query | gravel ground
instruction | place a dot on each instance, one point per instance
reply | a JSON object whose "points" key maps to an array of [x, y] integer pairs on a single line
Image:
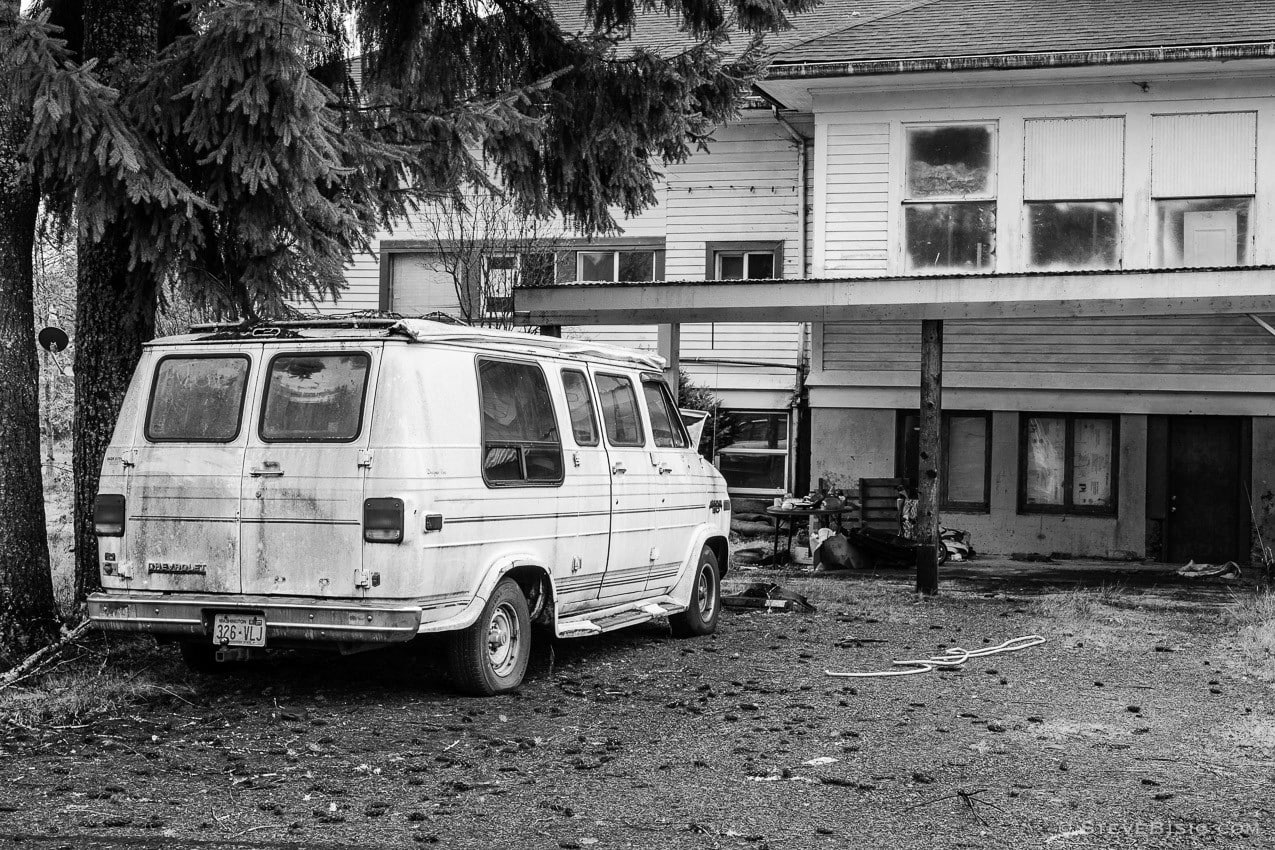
{"points": [[1134, 725]]}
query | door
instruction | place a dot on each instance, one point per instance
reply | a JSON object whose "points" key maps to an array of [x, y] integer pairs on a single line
{"points": [[585, 522], [1207, 519], [304, 469], [679, 496], [633, 547], [182, 497]]}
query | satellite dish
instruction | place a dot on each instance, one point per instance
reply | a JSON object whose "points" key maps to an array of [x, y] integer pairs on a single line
{"points": [[53, 339]]}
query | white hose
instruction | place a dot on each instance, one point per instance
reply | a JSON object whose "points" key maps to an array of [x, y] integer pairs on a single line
{"points": [[953, 657]]}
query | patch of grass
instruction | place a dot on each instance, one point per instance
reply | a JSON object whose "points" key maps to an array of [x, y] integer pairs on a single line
{"points": [[1254, 616], [869, 600], [1085, 615], [99, 676]]}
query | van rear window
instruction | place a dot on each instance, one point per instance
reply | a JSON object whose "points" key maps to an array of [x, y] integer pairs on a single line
{"points": [[197, 399], [314, 398]]}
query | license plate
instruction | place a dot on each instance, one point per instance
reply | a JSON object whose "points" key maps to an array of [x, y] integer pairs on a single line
{"points": [[239, 630]]}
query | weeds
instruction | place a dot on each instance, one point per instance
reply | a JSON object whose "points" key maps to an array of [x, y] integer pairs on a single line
{"points": [[1254, 616], [1087, 615]]}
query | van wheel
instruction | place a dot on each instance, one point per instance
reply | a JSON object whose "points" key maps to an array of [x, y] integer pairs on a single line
{"points": [[700, 617], [490, 657], [201, 656]]}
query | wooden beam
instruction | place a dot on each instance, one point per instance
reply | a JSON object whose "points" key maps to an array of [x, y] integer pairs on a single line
{"points": [[1005, 296], [669, 346], [930, 458]]}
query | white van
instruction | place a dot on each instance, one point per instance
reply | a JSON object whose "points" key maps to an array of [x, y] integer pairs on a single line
{"points": [[352, 483]]}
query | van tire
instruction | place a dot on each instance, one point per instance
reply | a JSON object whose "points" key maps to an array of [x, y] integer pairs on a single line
{"points": [[700, 616], [490, 657], [201, 656]]}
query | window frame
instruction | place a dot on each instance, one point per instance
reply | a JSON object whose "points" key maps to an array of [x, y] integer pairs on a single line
{"points": [[522, 455], [714, 250], [265, 393], [639, 404], [786, 452], [593, 406], [615, 252], [901, 461], [989, 195], [1159, 203], [1067, 508], [209, 355]]}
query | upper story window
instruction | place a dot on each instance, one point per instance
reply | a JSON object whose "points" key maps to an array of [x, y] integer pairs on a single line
{"points": [[743, 260], [949, 198], [1203, 178], [502, 272], [621, 264], [1073, 182]]}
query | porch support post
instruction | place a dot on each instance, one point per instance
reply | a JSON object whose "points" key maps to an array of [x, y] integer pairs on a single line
{"points": [[930, 457], [669, 344]]}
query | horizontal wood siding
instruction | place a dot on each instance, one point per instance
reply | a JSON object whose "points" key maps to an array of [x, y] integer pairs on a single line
{"points": [[1189, 345], [856, 199]]}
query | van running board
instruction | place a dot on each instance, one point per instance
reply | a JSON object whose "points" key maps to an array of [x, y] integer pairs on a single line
{"points": [[619, 617]]}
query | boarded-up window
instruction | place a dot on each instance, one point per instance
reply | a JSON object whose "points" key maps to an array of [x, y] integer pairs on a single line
{"points": [[421, 284], [1073, 159], [1203, 232], [1204, 155], [966, 478], [1068, 464]]}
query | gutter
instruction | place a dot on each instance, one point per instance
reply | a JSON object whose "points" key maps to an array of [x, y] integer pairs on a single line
{"points": [[1017, 61]]}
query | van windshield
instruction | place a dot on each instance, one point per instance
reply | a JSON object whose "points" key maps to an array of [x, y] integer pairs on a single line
{"points": [[197, 399], [314, 398]]}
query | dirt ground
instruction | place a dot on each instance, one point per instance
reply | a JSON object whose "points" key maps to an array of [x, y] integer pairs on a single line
{"points": [[1144, 720]]}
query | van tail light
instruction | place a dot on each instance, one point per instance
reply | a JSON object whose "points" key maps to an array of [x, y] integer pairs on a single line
{"points": [[383, 520], [108, 515]]}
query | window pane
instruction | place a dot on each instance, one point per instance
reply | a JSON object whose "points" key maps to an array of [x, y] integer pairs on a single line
{"points": [[1091, 470], [314, 397], [732, 266], [949, 161], [951, 236], [197, 399], [620, 410], [584, 421], [1203, 232], [637, 265], [742, 429], [967, 459], [520, 430], [502, 276], [665, 423], [1074, 235], [1046, 459], [597, 265], [753, 472], [761, 266]]}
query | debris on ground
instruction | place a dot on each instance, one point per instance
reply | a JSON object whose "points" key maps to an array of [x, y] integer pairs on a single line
{"points": [[951, 657], [761, 594], [1229, 570]]}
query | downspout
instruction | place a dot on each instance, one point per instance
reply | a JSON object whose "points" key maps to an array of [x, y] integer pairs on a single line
{"points": [[795, 405]]}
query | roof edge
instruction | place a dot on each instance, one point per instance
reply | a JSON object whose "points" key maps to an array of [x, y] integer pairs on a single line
{"points": [[780, 70]]}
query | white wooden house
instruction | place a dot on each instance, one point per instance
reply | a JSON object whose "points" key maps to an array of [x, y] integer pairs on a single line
{"points": [[970, 161]]}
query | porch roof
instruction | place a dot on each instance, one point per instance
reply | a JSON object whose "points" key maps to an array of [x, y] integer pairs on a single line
{"points": [[1141, 292]]}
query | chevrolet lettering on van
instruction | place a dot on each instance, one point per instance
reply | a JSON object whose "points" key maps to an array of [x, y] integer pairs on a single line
{"points": [[176, 568]]}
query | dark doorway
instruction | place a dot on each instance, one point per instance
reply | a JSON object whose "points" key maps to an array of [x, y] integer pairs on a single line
{"points": [[1208, 517]]}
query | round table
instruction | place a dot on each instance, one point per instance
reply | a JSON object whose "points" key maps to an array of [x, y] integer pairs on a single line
{"points": [[781, 514]]}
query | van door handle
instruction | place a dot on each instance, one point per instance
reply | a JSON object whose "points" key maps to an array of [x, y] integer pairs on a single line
{"points": [[665, 469], [268, 469], [619, 469]]}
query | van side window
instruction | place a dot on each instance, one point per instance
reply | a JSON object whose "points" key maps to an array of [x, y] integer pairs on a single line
{"points": [[666, 422], [520, 430], [584, 421], [314, 398], [620, 410], [197, 399]]}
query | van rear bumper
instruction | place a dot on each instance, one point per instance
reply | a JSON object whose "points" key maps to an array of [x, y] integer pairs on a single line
{"points": [[288, 620]]}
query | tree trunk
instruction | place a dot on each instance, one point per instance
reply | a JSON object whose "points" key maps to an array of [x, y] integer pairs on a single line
{"points": [[115, 307], [930, 455], [28, 616]]}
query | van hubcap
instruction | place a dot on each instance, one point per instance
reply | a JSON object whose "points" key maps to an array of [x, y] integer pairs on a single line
{"points": [[704, 594], [504, 640]]}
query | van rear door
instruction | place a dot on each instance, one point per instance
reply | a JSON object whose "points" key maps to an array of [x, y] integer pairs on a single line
{"points": [[304, 470], [181, 529]]}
